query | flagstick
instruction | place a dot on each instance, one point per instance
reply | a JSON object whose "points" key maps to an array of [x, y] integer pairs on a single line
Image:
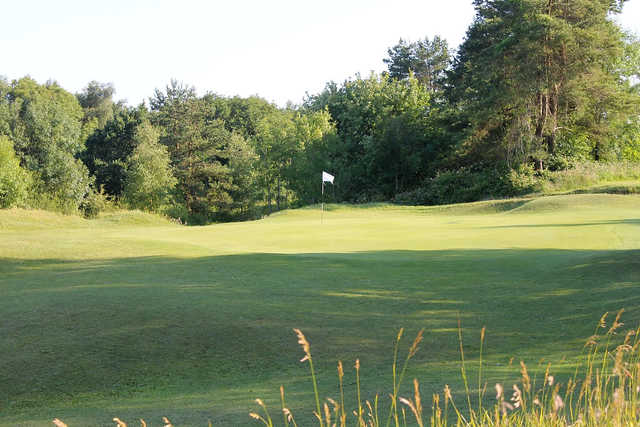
{"points": [[322, 211]]}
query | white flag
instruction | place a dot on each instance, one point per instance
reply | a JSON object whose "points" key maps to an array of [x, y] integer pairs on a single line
{"points": [[327, 177]]}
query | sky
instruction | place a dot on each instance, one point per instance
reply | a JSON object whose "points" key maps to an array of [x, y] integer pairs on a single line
{"points": [[277, 49]]}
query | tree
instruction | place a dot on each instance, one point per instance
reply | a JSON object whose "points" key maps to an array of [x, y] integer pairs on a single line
{"points": [[426, 59], [44, 122], [14, 180], [528, 70], [148, 176], [367, 114], [315, 140], [198, 145], [96, 100], [240, 115], [244, 192], [109, 147], [275, 143]]}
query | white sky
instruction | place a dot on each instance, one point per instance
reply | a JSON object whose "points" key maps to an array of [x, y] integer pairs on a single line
{"points": [[278, 49]]}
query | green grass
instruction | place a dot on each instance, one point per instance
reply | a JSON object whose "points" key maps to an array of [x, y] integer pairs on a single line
{"points": [[132, 316]]}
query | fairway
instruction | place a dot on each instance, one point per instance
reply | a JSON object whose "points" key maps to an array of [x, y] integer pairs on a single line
{"points": [[132, 316]]}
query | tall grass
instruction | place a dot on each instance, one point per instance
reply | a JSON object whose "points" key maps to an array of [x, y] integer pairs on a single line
{"points": [[588, 174], [603, 391]]}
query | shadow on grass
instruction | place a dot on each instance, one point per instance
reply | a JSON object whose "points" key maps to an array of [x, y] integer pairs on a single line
{"points": [[113, 328]]}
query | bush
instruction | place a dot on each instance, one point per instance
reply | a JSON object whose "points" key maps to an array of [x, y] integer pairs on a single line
{"points": [[466, 185], [94, 203], [177, 212]]}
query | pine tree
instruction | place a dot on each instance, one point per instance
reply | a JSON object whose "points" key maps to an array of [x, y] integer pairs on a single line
{"points": [[529, 69]]}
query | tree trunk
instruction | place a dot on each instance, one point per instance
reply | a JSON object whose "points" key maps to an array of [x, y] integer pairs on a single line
{"points": [[553, 110], [278, 195], [542, 108]]}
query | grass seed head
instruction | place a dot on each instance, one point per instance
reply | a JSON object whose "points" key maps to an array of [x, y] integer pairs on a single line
{"points": [[517, 396], [327, 414], [305, 345], [557, 403], [287, 412], [505, 407], [499, 391], [627, 338], [447, 393], [526, 380], [414, 347], [416, 392], [603, 321], [616, 323], [369, 408], [413, 408], [591, 341]]}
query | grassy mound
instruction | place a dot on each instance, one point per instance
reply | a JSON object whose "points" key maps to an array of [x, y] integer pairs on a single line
{"points": [[29, 220], [132, 316]]}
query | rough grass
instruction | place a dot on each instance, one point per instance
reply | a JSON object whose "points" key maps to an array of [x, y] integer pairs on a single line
{"points": [[594, 176], [135, 317]]}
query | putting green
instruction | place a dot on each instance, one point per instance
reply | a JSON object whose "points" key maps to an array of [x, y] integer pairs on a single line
{"points": [[132, 316]]}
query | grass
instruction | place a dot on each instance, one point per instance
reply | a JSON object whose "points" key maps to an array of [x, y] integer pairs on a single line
{"points": [[132, 316], [595, 177]]}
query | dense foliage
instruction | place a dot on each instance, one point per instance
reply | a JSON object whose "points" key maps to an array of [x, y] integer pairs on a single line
{"points": [[14, 180], [537, 85]]}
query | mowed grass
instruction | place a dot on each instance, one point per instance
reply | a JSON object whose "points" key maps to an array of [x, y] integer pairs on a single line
{"points": [[132, 316]]}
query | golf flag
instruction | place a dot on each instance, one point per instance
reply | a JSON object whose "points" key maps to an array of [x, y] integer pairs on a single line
{"points": [[327, 177]]}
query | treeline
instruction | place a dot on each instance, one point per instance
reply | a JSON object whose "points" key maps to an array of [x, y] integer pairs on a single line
{"points": [[199, 159], [536, 86]]}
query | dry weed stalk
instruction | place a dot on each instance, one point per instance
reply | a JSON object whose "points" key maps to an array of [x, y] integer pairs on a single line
{"points": [[306, 348]]}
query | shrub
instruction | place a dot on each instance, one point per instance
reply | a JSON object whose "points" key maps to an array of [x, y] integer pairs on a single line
{"points": [[466, 185], [94, 203]]}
